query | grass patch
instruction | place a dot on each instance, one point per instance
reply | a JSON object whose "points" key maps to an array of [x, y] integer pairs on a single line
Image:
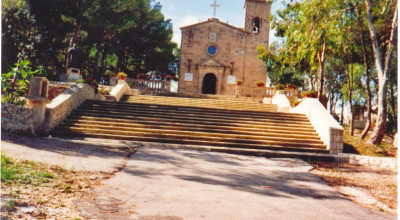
{"points": [[354, 144], [9, 206], [26, 183], [25, 172]]}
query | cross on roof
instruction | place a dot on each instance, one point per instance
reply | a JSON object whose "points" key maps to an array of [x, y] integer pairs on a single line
{"points": [[215, 5]]}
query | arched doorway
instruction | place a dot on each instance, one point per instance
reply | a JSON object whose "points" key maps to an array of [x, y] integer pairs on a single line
{"points": [[209, 84]]}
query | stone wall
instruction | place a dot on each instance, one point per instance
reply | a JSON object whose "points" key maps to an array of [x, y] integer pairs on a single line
{"points": [[17, 119], [374, 162], [255, 69], [236, 56], [230, 42], [64, 104], [20, 120], [118, 91]]}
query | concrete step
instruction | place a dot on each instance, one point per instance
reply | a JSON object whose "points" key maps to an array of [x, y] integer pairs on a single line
{"points": [[128, 106], [216, 106], [195, 123], [190, 127], [204, 115], [194, 118], [225, 104], [226, 125], [196, 134], [167, 138], [188, 99]]}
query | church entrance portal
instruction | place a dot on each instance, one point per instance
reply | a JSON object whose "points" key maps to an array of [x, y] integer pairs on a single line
{"points": [[209, 84]]}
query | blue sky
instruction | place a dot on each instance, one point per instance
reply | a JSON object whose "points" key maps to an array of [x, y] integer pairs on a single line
{"points": [[187, 12]]}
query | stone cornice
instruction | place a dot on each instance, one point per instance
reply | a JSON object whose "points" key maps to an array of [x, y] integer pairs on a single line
{"points": [[216, 21]]}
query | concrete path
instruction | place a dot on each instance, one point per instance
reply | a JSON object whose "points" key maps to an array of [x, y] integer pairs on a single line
{"points": [[184, 184], [79, 155]]}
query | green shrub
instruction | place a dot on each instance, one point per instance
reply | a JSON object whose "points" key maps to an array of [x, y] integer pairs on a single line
{"points": [[80, 81], [15, 93], [279, 87]]}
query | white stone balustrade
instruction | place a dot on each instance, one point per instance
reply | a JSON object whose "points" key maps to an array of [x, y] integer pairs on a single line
{"points": [[150, 86], [262, 92]]}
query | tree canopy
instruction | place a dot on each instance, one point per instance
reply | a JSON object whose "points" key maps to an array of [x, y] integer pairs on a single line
{"points": [[129, 36], [343, 47]]}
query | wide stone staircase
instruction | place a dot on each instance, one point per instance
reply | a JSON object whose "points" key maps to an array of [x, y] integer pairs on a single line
{"points": [[207, 124]]}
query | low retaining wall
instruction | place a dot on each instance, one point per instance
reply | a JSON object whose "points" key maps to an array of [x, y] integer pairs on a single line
{"points": [[64, 104], [117, 92], [374, 162], [21, 120], [326, 126], [281, 100], [17, 119]]}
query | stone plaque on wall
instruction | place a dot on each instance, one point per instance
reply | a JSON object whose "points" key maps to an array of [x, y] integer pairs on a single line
{"points": [[231, 79], [189, 77], [213, 37]]}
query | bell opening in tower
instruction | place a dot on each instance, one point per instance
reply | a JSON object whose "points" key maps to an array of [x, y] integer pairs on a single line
{"points": [[256, 25]]}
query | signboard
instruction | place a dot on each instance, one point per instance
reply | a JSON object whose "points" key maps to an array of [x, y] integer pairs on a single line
{"points": [[231, 79], [189, 77]]}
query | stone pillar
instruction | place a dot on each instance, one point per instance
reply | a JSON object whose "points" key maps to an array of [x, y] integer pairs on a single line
{"points": [[113, 81], [38, 95]]}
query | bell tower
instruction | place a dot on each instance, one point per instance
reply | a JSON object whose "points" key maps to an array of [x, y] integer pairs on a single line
{"points": [[257, 19], [257, 26]]}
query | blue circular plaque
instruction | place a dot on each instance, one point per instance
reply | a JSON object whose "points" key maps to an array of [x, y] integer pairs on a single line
{"points": [[212, 50]]}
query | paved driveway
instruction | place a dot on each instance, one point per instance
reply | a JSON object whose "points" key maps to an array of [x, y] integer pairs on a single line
{"points": [[183, 184]]}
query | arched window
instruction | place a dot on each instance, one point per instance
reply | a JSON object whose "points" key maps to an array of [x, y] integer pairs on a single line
{"points": [[256, 25]]}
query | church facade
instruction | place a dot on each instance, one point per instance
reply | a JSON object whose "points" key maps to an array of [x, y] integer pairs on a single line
{"points": [[214, 54]]}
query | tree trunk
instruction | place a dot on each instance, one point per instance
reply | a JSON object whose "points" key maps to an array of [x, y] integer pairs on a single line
{"points": [[331, 100], [121, 60], [71, 45], [342, 114], [96, 62], [366, 67], [321, 58], [392, 113], [382, 72], [350, 75], [103, 59], [393, 105]]}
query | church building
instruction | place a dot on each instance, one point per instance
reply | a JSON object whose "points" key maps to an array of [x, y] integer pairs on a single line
{"points": [[214, 54]]}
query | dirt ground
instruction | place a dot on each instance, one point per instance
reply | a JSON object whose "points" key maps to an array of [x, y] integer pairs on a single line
{"points": [[372, 188], [52, 200], [369, 187]]}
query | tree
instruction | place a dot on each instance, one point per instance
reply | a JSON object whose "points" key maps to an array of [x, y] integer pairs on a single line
{"points": [[316, 34], [131, 36], [280, 68], [382, 71], [367, 70], [16, 43]]}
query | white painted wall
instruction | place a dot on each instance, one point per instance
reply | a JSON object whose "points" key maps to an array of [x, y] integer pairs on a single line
{"points": [[326, 126]]}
